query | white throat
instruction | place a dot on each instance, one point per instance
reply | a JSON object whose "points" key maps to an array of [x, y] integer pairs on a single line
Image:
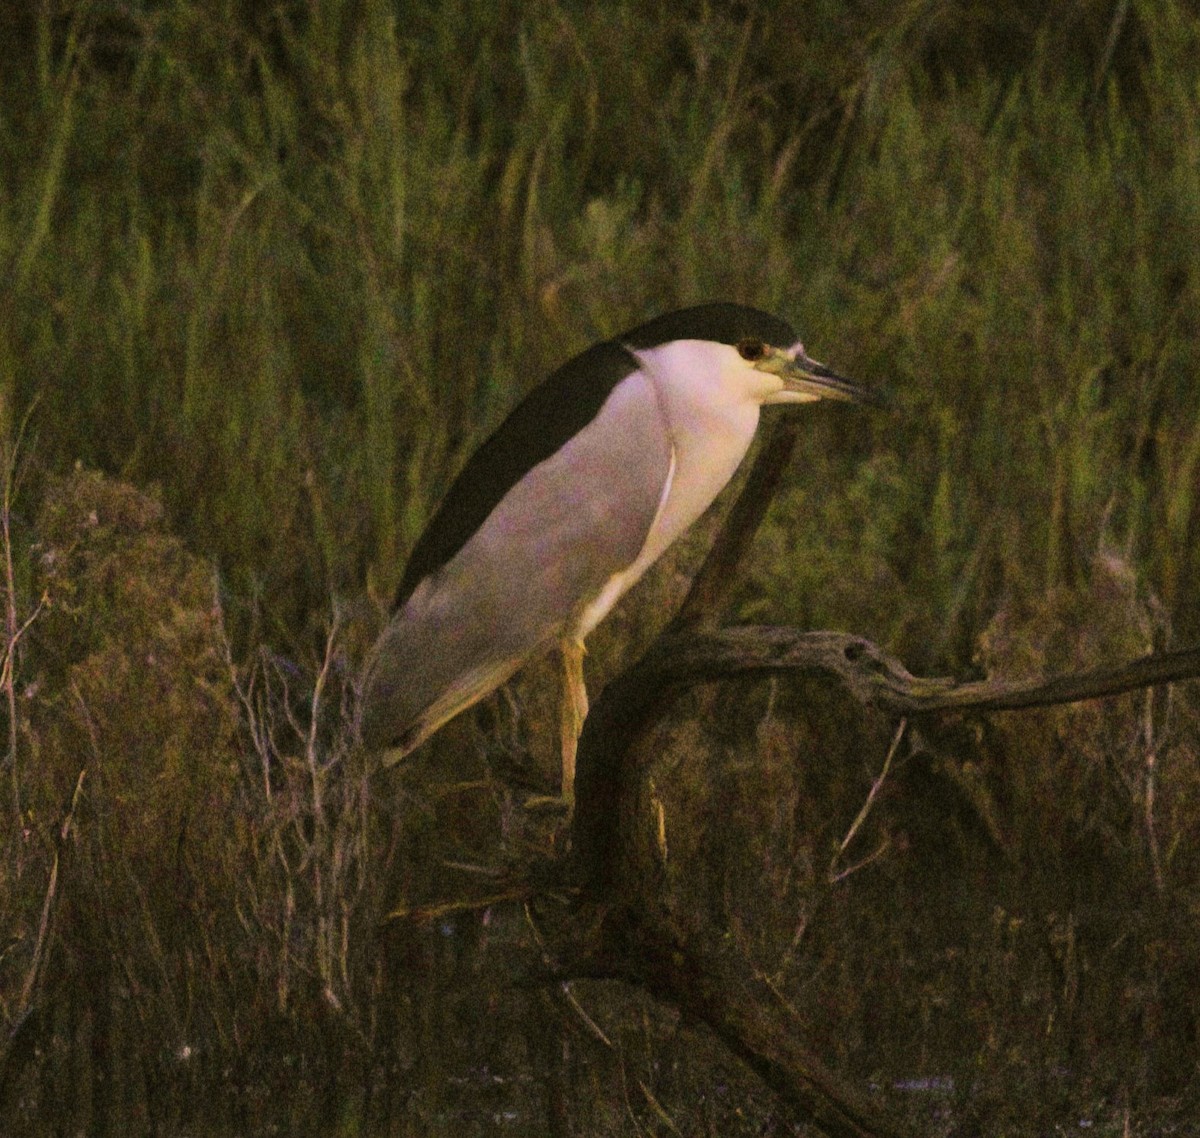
{"points": [[710, 400]]}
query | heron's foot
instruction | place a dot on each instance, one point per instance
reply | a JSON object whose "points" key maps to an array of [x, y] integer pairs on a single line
{"points": [[574, 710], [550, 804]]}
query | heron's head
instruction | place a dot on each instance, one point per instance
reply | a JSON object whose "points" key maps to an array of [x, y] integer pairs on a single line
{"points": [[737, 354]]}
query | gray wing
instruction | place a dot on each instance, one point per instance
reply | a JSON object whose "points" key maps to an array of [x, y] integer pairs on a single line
{"points": [[547, 548], [542, 423]]}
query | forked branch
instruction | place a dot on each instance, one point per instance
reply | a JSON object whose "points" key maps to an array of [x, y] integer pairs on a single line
{"points": [[636, 935]]}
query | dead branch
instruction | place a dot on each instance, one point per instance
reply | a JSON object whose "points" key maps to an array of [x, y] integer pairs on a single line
{"points": [[635, 935], [871, 676], [712, 985], [644, 943], [618, 921]]}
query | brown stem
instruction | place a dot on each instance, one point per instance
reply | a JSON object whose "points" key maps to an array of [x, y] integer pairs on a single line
{"points": [[710, 984]]}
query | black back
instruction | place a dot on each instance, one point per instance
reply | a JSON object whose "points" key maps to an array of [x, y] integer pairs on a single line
{"points": [[555, 411]]}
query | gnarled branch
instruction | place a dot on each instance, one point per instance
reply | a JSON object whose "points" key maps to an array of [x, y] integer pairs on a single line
{"points": [[637, 937]]}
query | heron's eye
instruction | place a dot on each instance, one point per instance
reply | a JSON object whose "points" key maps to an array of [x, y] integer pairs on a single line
{"points": [[751, 349]]}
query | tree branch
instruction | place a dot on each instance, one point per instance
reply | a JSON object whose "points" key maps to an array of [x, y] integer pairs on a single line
{"points": [[709, 983], [873, 677], [695, 970], [713, 985], [608, 767]]}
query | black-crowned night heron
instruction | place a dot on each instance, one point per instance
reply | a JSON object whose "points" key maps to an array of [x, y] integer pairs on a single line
{"points": [[574, 497]]}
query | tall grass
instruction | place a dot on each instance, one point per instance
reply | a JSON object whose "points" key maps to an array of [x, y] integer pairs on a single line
{"points": [[295, 271], [284, 267]]}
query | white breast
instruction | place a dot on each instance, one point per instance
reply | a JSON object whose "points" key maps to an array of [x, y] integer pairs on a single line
{"points": [[712, 420]]}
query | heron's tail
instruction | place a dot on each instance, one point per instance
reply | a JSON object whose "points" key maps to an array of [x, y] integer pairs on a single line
{"points": [[414, 683]]}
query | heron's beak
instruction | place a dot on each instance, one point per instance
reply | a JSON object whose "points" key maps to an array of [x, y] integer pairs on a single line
{"points": [[808, 380]]}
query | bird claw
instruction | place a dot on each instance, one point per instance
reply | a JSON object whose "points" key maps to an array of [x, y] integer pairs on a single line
{"points": [[550, 803]]}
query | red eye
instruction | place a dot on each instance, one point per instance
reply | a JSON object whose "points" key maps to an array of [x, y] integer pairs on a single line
{"points": [[751, 349]]}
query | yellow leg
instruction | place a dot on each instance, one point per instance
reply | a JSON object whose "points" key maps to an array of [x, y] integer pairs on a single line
{"points": [[574, 709]]}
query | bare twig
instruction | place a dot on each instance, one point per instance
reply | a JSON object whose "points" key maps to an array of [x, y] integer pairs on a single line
{"points": [[593, 1027], [439, 909], [39, 948], [14, 628], [658, 1109], [876, 679], [1151, 739], [311, 740], [834, 873]]}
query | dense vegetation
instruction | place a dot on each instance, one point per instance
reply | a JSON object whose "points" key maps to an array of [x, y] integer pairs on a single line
{"points": [[269, 272]]}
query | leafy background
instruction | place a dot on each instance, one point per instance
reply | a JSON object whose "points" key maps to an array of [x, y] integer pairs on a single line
{"points": [[270, 272]]}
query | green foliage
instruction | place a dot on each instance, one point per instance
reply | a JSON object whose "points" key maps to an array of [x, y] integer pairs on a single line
{"points": [[1014, 259]]}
